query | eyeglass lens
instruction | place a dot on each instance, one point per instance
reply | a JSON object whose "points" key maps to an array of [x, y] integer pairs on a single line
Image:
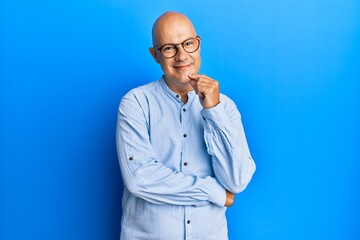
{"points": [[190, 45]]}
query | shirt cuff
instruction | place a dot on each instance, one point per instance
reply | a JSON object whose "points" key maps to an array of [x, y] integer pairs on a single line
{"points": [[217, 194]]}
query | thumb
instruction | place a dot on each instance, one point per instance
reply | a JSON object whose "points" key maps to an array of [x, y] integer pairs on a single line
{"points": [[193, 83], [192, 80], [193, 76]]}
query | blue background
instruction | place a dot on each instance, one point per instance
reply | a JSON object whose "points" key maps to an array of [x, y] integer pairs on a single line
{"points": [[292, 67]]}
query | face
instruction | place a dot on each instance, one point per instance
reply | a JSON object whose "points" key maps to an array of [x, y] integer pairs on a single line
{"points": [[176, 29]]}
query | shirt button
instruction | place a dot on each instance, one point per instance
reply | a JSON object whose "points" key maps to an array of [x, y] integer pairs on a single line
{"points": [[188, 221], [203, 118], [131, 158], [177, 95], [185, 135], [185, 163], [184, 109]]}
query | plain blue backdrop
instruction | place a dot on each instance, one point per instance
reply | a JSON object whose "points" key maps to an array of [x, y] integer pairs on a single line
{"points": [[292, 67]]}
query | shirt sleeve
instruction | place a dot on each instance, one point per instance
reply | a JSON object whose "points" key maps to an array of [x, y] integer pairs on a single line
{"points": [[225, 139], [146, 177]]}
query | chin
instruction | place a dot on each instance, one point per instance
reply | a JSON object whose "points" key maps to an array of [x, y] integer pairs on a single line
{"points": [[184, 79], [180, 78]]}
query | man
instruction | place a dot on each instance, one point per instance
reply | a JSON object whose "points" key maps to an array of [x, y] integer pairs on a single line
{"points": [[181, 145]]}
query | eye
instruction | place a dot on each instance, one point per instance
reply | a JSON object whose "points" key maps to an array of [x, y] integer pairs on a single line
{"points": [[189, 43], [168, 48]]}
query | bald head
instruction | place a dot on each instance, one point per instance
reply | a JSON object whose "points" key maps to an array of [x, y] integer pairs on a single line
{"points": [[170, 25], [176, 28]]}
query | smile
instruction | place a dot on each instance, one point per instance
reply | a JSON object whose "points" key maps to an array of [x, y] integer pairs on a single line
{"points": [[182, 67]]}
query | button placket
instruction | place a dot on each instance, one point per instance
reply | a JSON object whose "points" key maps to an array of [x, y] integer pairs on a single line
{"points": [[184, 140], [188, 224]]}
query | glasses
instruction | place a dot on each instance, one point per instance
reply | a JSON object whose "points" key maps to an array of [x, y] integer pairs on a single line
{"points": [[190, 45]]}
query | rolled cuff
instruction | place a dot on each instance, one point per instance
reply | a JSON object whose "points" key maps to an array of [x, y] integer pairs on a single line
{"points": [[217, 194]]}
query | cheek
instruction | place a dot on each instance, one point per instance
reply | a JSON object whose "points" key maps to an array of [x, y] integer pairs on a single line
{"points": [[165, 65], [197, 61]]}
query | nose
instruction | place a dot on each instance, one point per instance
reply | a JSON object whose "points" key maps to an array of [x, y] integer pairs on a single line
{"points": [[181, 54]]}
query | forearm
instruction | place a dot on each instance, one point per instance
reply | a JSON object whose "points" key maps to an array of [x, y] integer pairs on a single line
{"points": [[156, 183], [224, 136]]}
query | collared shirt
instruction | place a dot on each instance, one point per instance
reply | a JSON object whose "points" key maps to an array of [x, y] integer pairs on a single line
{"points": [[176, 161]]}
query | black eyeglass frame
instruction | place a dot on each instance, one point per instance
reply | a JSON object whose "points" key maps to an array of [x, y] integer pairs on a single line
{"points": [[182, 44]]}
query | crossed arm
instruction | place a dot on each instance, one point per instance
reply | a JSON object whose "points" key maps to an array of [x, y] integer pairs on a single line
{"points": [[145, 176], [224, 136], [151, 180]]}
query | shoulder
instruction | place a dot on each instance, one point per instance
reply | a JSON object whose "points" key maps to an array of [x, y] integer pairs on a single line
{"points": [[226, 101], [229, 105], [137, 99], [142, 93], [143, 90], [225, 98]]}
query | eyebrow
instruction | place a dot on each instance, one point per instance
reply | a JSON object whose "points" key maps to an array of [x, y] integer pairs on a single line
{"points": [[177, 43]]}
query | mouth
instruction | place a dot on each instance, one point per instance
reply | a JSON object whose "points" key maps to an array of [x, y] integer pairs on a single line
{"points": [[182, 67]]}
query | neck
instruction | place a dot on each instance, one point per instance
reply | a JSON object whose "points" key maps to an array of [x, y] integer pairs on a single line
{"points": [[179, 88]]}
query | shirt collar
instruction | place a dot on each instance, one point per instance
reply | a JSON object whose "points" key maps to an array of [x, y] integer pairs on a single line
{"points": [[174, 95]]}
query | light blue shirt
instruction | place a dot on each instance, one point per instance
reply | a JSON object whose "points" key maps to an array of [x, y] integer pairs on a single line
{"points": [[176, 161]]}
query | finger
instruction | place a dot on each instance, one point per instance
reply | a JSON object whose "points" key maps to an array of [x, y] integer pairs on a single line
{"points": [[194, 85], [201, 77], [193, 76], [205, 87], [198, 76]]}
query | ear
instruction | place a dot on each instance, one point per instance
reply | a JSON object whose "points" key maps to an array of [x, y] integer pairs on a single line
{"points": [[154, 54]]}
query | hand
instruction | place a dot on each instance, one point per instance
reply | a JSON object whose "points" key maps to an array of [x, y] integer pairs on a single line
{"points": [[207, 89], [229, 199]]}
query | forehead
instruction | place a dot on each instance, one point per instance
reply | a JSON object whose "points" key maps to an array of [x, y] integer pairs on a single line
{"points": [[173, 30]]}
